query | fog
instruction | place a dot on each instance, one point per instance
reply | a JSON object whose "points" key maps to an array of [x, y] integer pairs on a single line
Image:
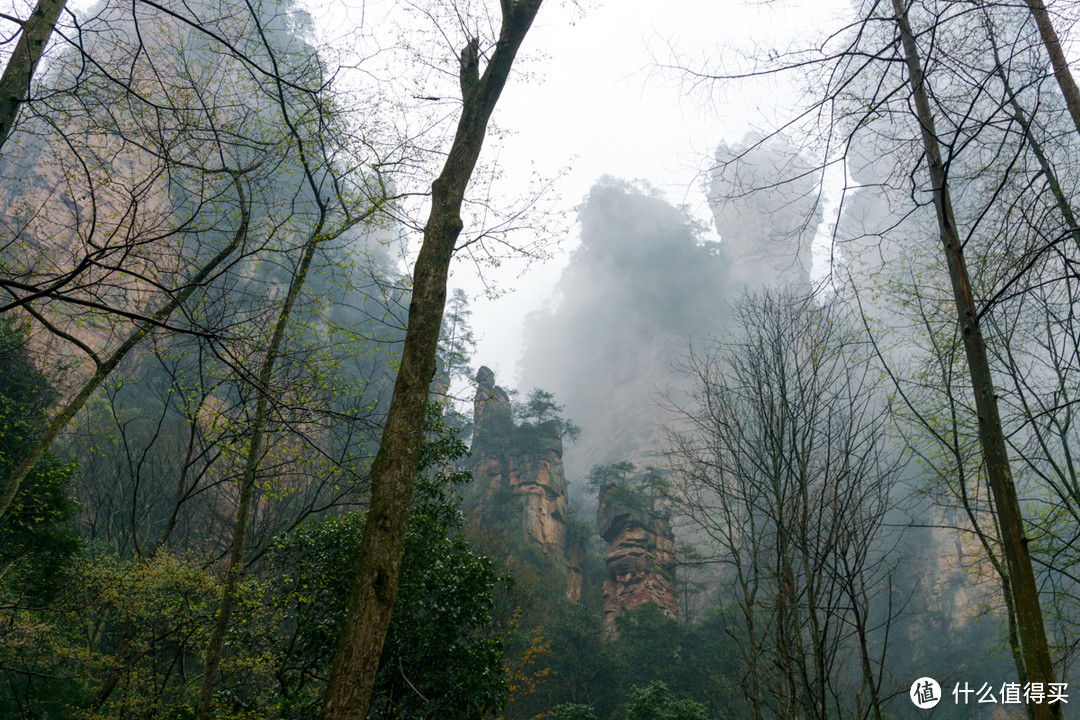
{"points": [[648, 282]]}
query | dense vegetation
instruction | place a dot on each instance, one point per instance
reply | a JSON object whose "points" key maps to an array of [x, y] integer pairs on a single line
{"points": [[206, 327]]}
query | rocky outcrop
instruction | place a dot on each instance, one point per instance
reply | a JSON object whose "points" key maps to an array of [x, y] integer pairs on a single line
{"points": [[638, 289], [640, 555], [766, 208], [518, 480]]}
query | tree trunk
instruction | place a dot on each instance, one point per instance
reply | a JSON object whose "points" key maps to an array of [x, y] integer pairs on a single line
{"points": [[1036, 148], [1014, 539], [393, 471], [230, 592], [15, 83], [1057, 59], [247, 482]]}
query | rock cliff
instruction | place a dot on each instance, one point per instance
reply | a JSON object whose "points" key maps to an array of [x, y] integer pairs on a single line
{"points": [[640, 287], [640, 555], [518, 480]]}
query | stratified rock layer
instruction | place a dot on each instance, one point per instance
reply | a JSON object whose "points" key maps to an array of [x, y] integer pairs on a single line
{"points": [[640, 555], [518, 478]]}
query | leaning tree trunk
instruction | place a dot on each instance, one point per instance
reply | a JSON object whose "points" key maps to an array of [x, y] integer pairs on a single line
{"points": [[1057, 59], [1014, 540], [230, 592], [263, 405], [393, 471], [103, 368], [15, 83]]}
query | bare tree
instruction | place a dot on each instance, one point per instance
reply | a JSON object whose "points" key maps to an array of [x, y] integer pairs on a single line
{"points": [[897, 97], [1025, 593], [781, 461], [121, 224]]}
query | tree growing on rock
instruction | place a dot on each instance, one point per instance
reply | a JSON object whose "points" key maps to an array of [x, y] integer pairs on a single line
{"points": [[540, 407]]}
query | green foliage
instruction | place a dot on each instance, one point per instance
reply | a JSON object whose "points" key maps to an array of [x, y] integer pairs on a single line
{"points": [[691, 660], [540, 407], [610, 474], [579, 530], [617, 484], [570, 429], [650, 482], [37, 534], [628, 495], [657, 702], [442, 447], [590, 673], [572, 711], [162, 610], [443, 656], [132, 622], [583, 666], [653, 645]]}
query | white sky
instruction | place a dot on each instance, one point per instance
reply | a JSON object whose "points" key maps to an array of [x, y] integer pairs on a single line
{"points": [[603, 106]]}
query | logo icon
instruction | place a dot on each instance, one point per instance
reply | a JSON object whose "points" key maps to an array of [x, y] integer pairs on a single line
{"points": [[925, 693]]}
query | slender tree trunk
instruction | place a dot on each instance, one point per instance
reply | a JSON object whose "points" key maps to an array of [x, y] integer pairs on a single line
{"points": [[247, 482], [1014, 539], [1036, 147], [1074, 230], [393, 471], [15, 83], [1057, 59], [855, 587], [229, 594], [105, 368]]}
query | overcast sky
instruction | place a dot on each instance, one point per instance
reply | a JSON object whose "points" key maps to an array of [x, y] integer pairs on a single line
{"points": [[604, 105]]}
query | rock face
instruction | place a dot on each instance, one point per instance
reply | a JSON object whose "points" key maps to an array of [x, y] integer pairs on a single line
{"points": [[640, 555], [640, 287], [766, 208], [518, 480]]}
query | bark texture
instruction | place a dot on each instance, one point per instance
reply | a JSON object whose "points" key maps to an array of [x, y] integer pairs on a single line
{"points": [[1014, 540], [15, 83], [393, 471]]}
